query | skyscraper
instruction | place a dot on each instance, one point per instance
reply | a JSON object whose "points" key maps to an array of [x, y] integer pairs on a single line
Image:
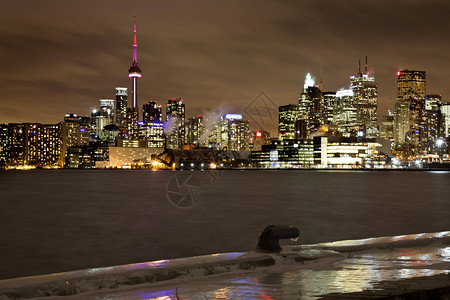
{"points": [[134, 73], [175, 115], [401, 122], [366, 98], [387, 127], [195, 129], [151, 111], [345, 113], [238, 133], [311, 106], [411, 89], [288, 116], [328, 102], [432, 123], [121, 106]]}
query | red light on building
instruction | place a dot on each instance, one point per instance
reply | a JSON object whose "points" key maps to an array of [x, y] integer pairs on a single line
{"points": [[398, 73], [258, 134]]}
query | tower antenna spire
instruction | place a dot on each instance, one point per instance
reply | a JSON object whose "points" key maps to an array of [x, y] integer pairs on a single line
{"points": [[366, 64], [359, 66], [134, 42]]}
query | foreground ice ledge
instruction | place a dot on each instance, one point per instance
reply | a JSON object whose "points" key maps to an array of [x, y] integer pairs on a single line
{"points": [[184, 269]]}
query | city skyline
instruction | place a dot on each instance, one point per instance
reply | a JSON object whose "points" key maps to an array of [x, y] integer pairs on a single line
{"points": [[53, 67]]}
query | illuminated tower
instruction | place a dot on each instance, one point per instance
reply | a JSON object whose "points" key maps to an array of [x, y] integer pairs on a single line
{"points": [[411, 89], [311, 106], [134, 73], [121, 106], [175, 115], [366, 100]]}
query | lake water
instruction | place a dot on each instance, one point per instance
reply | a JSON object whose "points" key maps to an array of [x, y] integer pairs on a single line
{"points": [[61, 220]]}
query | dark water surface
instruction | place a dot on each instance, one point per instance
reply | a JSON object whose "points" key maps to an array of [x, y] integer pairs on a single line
{"points": [[53, 221]]}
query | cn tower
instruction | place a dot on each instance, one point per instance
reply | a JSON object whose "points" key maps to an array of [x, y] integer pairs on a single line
{"points": [[134, 73]]}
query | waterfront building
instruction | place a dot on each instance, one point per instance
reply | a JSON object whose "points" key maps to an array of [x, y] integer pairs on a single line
{"points": [[4, 144], [30, 144], [284, 154], [120, 157], [175, 120], [87, 156], [411, 89], [366, 98], [342, 152], [151, 111], [16, 155], [345, 113], [259, 138], [76, 131], [288, 115], [121, 107], [49, 145]]}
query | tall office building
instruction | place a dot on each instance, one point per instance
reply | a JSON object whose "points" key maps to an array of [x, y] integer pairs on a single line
{"points": [[288, 117], [411, 89], [134, 73], [366, 98], [30, 144], [432, 123], [121, 107], [445, 111], [238, 133], [151, 134], [49, 144], [387, 127], [345, 113], [175, 119], [401, 123], [107, 110], [328, 102], [195, 130], [151, 111], [4, 144], [311, 106]]}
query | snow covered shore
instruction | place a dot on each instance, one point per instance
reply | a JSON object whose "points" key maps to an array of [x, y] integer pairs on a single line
{"points": [[185, 269]]}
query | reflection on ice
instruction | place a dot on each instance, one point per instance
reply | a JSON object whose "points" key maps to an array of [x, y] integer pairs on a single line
{"points": [[354, 274]]}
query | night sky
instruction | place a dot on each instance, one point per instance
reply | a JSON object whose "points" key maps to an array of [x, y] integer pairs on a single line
{"points": [[58, 57]]}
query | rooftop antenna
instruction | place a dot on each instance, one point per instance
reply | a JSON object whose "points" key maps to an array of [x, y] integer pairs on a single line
{"points": [[359, 66], [321, 82], [366, 64]]}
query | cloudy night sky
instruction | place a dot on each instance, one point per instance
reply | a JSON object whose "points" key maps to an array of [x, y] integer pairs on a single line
{"points": [[59, 57]]}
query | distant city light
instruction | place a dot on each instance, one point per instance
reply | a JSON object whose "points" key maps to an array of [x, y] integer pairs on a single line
{"points": [[344, 93], [233, 116], [309, 81], [259, 134]]}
